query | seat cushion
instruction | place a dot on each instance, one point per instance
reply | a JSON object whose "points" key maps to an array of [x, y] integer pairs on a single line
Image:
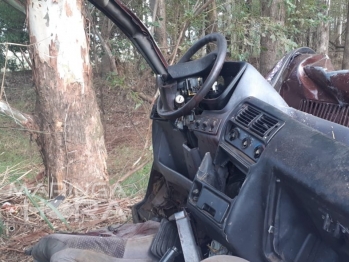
{"points": [[129, 241], [78, 255]]}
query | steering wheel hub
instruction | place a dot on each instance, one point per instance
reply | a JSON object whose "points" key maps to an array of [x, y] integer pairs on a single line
{"points": [[185, 76]]}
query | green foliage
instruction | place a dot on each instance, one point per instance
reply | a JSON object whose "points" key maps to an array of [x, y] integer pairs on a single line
{"points": [[115, 80], [12, 64], [12, 29], [55, 210], [137, 183], [15, 149], [240, 21], [36, 205], [134, 97]]}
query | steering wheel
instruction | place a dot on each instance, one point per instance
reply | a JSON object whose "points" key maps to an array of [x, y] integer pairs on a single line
{"points": [[185, 68]]}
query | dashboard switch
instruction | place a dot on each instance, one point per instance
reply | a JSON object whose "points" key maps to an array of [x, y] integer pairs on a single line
{"points": [[246, 142], [212, 125], [204, 125], [234, 134], [258, 151], [197, 124]]}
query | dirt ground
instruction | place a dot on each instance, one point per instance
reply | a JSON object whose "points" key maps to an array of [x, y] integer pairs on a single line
{"points": [[127, 136]]}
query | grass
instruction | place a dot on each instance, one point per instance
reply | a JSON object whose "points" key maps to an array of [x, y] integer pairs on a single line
{"points": [[138, 182], [123, 157], [16, 149], [19, 155]]}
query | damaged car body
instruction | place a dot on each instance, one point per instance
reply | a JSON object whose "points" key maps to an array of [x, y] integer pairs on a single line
{"points": [[245, 167]]}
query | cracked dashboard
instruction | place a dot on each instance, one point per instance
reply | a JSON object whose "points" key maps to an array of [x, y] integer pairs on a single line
{"points": [[270, 174], [253, 172]]}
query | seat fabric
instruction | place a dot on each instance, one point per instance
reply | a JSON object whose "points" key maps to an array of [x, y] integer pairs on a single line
{"points": [[117, 243], [129, 242]]}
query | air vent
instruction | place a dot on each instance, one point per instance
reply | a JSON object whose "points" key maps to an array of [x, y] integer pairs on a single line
{"points": [[257, 122], [264, 125], [247, 115]]}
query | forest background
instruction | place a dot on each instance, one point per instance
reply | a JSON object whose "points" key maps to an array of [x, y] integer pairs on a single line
{"points": [[258, 31]]}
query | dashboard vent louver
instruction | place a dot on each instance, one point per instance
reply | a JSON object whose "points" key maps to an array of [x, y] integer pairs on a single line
{"points": [[263, 125], [247, 115], [259, 123]]}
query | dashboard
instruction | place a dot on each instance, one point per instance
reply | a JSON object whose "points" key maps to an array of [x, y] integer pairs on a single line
{"points": [[268, 182], [289, 201]]}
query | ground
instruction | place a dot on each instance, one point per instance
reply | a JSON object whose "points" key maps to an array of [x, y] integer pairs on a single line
{"points": [[25, 215]]}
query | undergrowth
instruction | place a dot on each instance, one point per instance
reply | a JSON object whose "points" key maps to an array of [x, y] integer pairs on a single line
{"points": [[20, 160], [138, 182]]}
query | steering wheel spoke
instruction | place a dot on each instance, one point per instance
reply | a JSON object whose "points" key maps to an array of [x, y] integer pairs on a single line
{"points": [[192, 68], [168, 94]]}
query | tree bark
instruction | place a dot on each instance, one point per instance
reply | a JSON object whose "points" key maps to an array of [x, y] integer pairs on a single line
{"points": [[323, 32], [107, 51], [211, 23], [275, 10], [154, 8], [161, 31], [339, 27], [345, 62], [72, 142], [104, 38]]}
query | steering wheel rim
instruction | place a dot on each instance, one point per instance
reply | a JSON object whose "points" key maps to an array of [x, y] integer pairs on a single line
{"points": [[164, 107]]}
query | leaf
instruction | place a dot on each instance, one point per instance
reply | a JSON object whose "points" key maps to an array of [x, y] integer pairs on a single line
{"points": [[138, 105], [54, 209], [16, 180], [246, 42], [35, 204]]}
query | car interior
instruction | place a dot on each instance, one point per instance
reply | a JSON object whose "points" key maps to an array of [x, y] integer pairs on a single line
{"points": [[240, 171]]}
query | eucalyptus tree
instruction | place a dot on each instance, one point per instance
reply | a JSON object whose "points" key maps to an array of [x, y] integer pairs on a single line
{"points": [[345, 63], [66, 124]]}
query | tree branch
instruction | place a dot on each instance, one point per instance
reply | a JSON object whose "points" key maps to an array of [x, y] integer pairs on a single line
{"points": [[336, 46], [142, 95], [197, 12], [155, 11], [17, 5], [26, 59], [19, 117], [104, 44], [3, 76]]}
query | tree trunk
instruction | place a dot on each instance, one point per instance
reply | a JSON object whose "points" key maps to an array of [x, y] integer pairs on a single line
{"points": [[71, 142], [158, 9], [323, 32], [339, 27], [161, 31], [104, 38], [211, 23], [153, 4], [227, 28], [275, 10], [345, 63]]}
